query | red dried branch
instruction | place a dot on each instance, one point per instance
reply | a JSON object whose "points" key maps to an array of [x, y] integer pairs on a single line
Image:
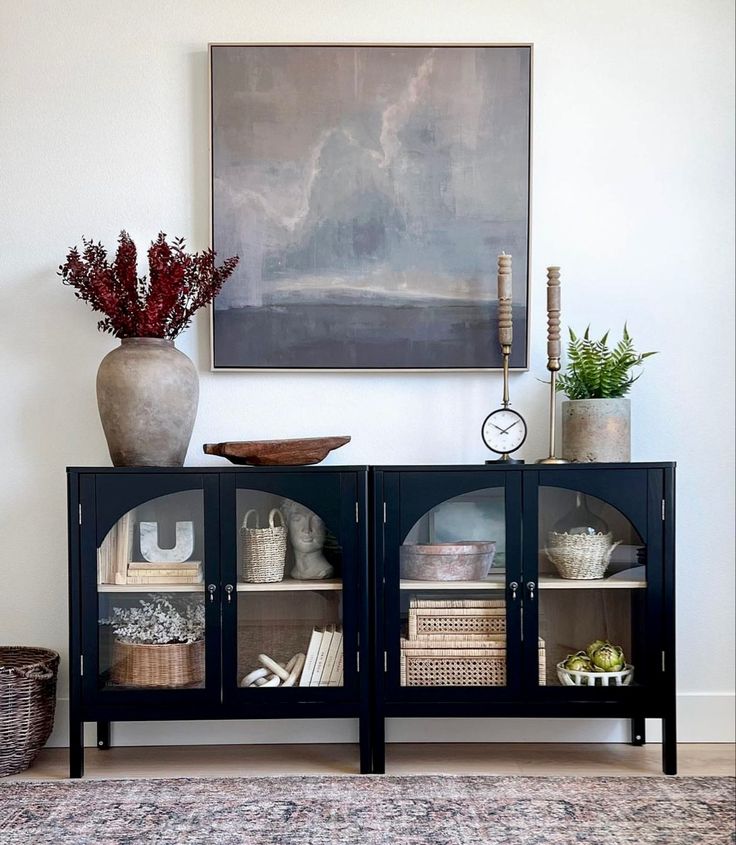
{"points": [[178, 284]]}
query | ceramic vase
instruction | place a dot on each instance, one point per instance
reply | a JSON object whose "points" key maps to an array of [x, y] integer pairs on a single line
{"points": [[147, 394], [596, 430]]}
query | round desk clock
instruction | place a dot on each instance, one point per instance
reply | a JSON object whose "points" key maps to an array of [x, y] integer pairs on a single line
{"points": [[504, 431]]}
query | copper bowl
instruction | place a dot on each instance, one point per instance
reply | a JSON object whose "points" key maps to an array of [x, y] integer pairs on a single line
{"points": [[462, 560]]}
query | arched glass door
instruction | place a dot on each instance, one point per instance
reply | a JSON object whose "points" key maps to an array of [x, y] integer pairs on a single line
{"points": [[592, 587], [151, 596], [452, 596]]}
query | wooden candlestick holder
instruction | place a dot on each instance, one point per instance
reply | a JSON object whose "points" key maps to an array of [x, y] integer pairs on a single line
{"points": [[553, 357]]}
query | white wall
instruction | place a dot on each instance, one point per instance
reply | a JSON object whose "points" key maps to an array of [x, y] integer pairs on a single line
{"points": [[103, 125]]}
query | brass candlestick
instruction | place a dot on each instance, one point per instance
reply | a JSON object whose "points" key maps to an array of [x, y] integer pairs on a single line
{"points": [[553, 357]]}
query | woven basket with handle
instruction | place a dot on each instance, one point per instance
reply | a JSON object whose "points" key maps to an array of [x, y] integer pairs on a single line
{"points": [[580, 556], [27, 704], [264, 549]]}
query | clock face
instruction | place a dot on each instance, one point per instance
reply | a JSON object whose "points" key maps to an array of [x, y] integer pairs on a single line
{"points": [[503, 431]]}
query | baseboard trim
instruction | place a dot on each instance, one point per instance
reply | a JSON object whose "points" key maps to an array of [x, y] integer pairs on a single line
{"points": [[702, 717]]}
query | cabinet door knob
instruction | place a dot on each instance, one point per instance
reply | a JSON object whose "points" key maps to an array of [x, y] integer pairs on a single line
{"points": [[531, 586], [513, 586], [229, 592], [212, 589]]}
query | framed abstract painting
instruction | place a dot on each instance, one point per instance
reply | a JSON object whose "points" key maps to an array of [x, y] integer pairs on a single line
{"points": [[368, 191]]}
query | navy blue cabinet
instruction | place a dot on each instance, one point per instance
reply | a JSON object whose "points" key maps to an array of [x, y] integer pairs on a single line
{"points": [[182, 579], [565, 556], [447, 591]]}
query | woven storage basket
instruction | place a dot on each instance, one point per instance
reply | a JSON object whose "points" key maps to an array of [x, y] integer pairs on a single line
{"points": [[264, 549], [580, 556], [452, 620], [161, 665], [27, 704], [472, 663]]}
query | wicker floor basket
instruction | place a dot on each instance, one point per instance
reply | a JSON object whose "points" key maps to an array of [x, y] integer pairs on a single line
{"points": [[27, 704], [264, 549], [472, 663], [170, 665]]}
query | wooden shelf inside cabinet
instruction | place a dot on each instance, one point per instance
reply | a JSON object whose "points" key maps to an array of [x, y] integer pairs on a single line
{"points": [[150, 588], [630, 579], [495, 581], [291, 585]]}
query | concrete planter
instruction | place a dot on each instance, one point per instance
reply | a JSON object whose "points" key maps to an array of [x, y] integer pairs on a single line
{"points": [[147, 395], [596, 430]]}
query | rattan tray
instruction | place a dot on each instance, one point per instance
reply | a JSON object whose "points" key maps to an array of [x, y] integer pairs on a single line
{"points": [[456, 620], [466, 663]]}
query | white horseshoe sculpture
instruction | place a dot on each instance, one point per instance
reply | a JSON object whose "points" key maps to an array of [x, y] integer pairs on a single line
{"points": [[153, 553]]}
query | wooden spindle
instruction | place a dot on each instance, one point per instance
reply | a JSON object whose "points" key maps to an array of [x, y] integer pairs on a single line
{"points": [[505, 324], [553, 318]]}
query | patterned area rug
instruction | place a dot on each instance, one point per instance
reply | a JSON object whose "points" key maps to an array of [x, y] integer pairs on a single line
{"points": [[371, 810]]}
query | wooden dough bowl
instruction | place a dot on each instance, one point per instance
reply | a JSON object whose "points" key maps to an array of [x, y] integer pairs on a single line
{"points": [[299, 452]]}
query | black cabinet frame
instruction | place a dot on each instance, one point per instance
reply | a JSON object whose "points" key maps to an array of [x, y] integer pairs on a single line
{"points": [[374, 509], [99, 497], [644, 493]]}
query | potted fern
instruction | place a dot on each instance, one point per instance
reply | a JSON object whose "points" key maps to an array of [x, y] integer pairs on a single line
{"points": [[596, 418]]}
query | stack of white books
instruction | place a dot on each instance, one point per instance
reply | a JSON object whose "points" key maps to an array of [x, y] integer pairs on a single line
{"points": [[324, 664]]}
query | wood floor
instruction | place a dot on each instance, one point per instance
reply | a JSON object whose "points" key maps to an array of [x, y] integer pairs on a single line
{"points": [[401, 759]]}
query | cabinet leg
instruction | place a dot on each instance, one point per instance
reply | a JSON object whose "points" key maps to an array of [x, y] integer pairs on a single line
{"points": [[638, 731], [103, 735], [366, 745], [669, 745], [378, 741], [76, 748]]}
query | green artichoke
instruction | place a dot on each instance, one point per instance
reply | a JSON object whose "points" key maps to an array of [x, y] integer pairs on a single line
{"points": [[594, 646], [608, 658], [578, 662]]}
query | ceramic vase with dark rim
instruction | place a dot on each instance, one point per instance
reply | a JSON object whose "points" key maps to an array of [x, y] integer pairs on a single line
{"points": [[596, 430], [147, 394]]}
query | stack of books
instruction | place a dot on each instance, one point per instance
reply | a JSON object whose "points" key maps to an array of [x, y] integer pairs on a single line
{"points": [[115, 564], [143, 572], [323, 666], [115, 553]]}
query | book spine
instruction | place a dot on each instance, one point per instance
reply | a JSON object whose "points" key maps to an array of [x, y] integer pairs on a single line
{"points": [[311, 658], [336, 676], [163, 579], [335, 647], [324, 648], [144, 566]]}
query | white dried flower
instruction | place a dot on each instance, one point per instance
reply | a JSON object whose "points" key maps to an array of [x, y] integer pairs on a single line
{"points": [[158, 622]]}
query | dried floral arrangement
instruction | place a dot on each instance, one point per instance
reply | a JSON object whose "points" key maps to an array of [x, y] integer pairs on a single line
{"points": [[158, 622], [160, 305]]}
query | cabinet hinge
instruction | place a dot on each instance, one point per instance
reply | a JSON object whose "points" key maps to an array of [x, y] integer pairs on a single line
{"points": [[663, 510], [81, 664], [384, 513], [357, 515], [663, 669], [80, 513]]}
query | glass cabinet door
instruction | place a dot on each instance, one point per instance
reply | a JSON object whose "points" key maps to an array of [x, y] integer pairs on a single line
{"points": [[150, 589], [450, 622], [289, 594], [593, 581]]}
